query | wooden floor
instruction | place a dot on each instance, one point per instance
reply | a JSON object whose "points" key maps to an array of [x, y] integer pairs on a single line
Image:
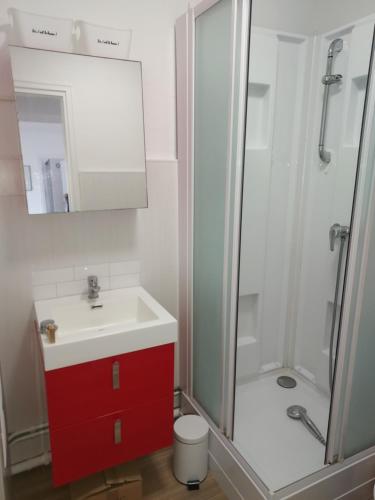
{"points": [[158, 483]]}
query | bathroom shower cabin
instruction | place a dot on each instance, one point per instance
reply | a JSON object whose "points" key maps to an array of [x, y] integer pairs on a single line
{"points": [[274, 133]]}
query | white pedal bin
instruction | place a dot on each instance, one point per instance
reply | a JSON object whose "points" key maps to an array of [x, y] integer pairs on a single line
{"points": [[190, 461]]}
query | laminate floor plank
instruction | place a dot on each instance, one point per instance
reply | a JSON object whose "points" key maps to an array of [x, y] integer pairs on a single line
{"points": [[158, 483]]}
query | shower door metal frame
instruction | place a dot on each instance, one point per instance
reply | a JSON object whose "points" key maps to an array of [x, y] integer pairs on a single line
{"points": [[234, 161]]}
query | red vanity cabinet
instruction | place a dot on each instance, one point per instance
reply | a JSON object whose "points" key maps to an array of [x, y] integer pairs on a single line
{"points": [[109, 411]]}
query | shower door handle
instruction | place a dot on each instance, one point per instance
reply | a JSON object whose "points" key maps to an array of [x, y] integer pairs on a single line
{"points": [[333, 235], [337, 231]]}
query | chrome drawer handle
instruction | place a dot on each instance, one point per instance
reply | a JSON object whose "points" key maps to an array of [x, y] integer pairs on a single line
{"points": [[118, 431], [116, 375]]}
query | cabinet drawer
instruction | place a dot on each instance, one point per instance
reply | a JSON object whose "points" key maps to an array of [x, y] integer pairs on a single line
{"points": [[82, 392], [103, 442]]}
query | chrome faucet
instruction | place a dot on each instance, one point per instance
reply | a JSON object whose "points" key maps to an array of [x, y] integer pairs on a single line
{"points": [[93, 286]]}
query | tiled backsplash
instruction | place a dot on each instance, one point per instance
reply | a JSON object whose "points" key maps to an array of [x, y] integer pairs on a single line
{"points": [[51, 283]]}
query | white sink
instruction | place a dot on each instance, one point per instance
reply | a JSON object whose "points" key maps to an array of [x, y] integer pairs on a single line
{"points": [[126, 320]]}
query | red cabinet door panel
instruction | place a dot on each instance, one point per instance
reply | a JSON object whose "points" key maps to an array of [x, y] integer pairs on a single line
{"points": [[82, 392], [103, 442]]}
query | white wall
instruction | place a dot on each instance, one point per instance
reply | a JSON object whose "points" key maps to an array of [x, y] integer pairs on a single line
{"points": [[274, 150], [333, 14], [308, 16], [294, 16], [152, 22], [288, 275], [56, 241], [329, 193]]}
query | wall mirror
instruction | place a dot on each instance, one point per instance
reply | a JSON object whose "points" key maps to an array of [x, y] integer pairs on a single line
{"points": [[81, 129]]}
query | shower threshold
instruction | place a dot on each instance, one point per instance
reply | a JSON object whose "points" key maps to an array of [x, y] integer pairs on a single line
{"points": [[279, 449]]}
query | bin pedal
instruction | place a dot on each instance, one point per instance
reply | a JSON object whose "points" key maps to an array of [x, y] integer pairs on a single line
{"points": [[193, 485]]}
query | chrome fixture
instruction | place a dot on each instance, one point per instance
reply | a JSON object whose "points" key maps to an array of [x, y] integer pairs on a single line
{"points": [[297, 412], [336, 232], [94, 288], [286, 382], [328, 80]]}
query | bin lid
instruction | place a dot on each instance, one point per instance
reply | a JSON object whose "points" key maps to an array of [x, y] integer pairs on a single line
{"points": [[191, 429]]}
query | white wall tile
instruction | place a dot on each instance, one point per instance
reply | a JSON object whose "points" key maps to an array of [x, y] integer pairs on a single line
{"points": [[71, 288], [104, 283], [125, 267], [48, 276], [48, 283], [79, 287], [43, 292], [82, 272], [124, 281]]}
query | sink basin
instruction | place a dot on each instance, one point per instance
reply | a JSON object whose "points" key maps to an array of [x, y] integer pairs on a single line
{"points": [[120, 321]]}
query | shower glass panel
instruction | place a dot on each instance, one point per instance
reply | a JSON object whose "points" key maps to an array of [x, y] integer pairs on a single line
{"points": [[360, 429], [306, 93], [211, 108]]}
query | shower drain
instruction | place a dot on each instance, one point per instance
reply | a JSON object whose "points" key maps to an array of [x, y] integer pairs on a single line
{"points": [[286, 382]]}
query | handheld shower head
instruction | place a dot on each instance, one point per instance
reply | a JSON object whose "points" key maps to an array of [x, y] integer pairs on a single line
{"points": [[336, 46], [297, 412]]}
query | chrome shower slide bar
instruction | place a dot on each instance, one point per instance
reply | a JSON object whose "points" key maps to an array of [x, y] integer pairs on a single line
{"points": [[328, 80]]}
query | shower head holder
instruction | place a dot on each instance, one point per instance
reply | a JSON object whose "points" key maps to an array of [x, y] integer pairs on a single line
{"points": [[331, 79]]}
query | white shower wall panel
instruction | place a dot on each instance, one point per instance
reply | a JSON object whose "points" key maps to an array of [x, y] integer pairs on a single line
{"points": [[273, 155], [329, 191]]}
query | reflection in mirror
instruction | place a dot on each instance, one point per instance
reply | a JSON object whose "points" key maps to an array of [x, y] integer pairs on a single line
{"points": [[42, 134], [81, 130], [308, 71]]}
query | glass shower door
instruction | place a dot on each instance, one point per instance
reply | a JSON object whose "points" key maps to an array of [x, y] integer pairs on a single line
{"points": [[306, 96], [220, 60], [211, 108], [358, 428]]}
